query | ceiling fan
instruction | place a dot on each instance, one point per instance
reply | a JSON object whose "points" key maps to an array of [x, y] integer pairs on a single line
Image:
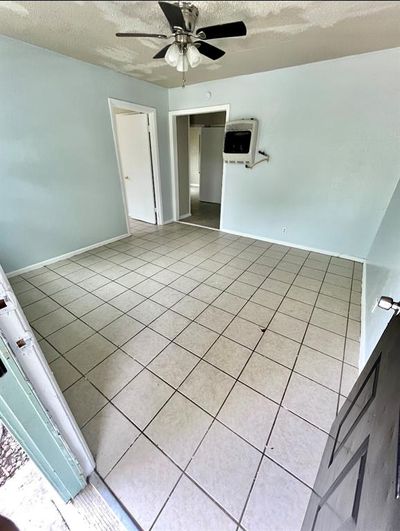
{"points": [[189, 43]]}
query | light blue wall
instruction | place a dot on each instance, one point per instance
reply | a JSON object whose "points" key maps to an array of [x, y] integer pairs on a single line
{"points": [[382, 273], [330, 129], [59, 183]]}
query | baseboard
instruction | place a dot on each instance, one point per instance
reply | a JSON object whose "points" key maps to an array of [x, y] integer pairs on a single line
{"points": [[166, 221], [184, 216], [64, 256], [295, 245]]}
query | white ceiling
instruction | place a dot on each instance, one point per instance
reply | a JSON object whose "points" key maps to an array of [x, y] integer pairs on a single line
{"points": [[279, 33]]}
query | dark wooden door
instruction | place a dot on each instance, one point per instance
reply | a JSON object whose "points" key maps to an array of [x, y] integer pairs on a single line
{"points": [[358, 483]]}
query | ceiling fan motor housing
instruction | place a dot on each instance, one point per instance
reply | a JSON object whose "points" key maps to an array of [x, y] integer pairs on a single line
{"points": [[190, 14]]}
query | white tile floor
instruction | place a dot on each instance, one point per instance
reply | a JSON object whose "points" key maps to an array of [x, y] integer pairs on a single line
{"points": [[204, 369]]}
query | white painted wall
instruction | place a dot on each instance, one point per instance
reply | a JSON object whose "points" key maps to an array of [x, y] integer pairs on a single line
{"points": [[331, 129], [211, 164], [382, 275]]}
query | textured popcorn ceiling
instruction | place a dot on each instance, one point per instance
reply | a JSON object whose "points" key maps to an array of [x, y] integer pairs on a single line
{"points": [[279, 33]]}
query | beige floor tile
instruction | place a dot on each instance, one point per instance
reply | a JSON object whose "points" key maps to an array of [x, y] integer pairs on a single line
{"points": [[321, 368], [50, 353], [311, 401], [189, 508], [84, 305], [354, 330], [229, 303], [189, 307], [121, 330], [170, 324], [297, 446], [196, 338], [325, 341], [147, 311], [40, 308], [276, 286], [265, 376], [352, 352], [142, 398], [207, 386], [186, 285], [167, 296], [288, 326], [278, 348], [70, 336], [349, 377], [246, 333], [84, 400], [100, 434], [240, 289], [355, 312], [257, 314], [178, 429], [53, 321], [224, 466], [336, 291], [218, 281], [332, 304], [215, 319], [228, 356], [148, 287], [145, 346], [329, 321], [101, 316], [112, 374], [152, 476], [64, 373], [267, 298], [131, 279], [126, 301], [90, 352], [303, 295], [296, 309], [249, 414], [307, 283], [278, 501], [173, 364], [109, 291], [205, 293], [283, 276]]}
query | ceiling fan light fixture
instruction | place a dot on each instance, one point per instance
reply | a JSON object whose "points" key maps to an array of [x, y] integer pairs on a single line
{"points": [[172, 55], [193, 55], [183, 63]]}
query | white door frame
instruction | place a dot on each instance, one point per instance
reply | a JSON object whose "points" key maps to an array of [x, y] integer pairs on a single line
{"points": [[174, 154], [152, 114]]}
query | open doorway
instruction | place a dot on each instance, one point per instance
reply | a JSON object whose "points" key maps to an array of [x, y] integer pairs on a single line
{"points": [[199, 138], [135, 138]]}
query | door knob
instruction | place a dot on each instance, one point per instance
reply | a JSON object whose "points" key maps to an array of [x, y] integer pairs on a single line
{"points": [[387, 303], [126, 177]]}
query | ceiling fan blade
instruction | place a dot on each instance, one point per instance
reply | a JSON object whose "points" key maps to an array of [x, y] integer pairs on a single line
{"points": [[161, 53], [210, 51], [156, 35], [220, 31], [173, 14]]}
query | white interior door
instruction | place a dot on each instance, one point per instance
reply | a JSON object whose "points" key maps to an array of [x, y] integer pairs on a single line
{"points": [[135, 156]]}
